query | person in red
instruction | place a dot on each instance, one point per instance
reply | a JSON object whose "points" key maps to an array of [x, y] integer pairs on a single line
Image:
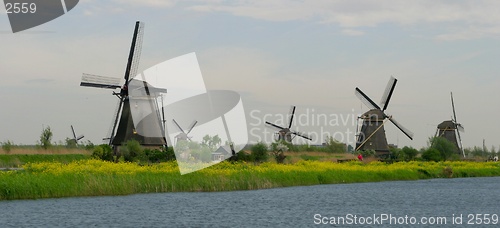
{"points": [[360, 157]]}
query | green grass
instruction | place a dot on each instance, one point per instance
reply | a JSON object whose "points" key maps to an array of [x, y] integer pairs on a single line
{"points": [[17, 160], [96, 178]]}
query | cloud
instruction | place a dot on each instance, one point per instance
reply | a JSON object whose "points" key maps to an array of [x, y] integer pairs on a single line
{"points": [[39, 81], [148, 3], [472, 16], [352, 32], [92, 7]]}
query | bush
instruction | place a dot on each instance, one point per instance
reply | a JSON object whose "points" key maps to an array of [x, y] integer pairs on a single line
{"points": [[130, 150], [278, 149], [366, 153], [103, 152], [259, 152], [432, 154], [410, 153], [7, 146]]}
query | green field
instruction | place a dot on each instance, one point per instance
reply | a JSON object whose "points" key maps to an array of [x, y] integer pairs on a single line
{"points": [[88, 177]]}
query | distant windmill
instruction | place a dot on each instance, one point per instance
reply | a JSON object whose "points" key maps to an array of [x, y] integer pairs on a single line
{"points": [[76, 139], [372, 134], [123, 128], [183, 136], [450, 130], [285, 133]]}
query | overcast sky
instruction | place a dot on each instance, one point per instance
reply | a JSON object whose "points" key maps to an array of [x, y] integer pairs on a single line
{"points": [[311, 54]]}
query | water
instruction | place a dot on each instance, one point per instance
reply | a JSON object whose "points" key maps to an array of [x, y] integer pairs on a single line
{"points": [[283, 207]]}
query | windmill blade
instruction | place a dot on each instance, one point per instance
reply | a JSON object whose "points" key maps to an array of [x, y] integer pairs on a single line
{"points": [[90, 80], [301, 135], [73, 130], [274, 125], [292, 112], [460, 142], [135, 51], [453, 107], [365, 99], [80, 137], [192, 126], [388, 93], [403, 129], [178, 126], [460, 127]]}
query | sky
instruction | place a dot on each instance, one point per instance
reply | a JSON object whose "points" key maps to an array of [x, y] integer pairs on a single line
{"points": [[274, 53]]}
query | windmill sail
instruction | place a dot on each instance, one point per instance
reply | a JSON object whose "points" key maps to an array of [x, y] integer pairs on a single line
{"points": [[146, 129], [372, 134], [284, 133], [132, 123]]}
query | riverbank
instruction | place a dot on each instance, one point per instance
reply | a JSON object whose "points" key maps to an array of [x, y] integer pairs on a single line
{"points": [[98, 178]]}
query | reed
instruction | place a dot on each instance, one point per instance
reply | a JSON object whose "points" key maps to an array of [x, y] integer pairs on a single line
{"points": [[96, 178]]}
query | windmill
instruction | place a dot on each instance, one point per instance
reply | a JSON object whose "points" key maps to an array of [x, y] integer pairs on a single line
{"points": [[285, 133], [372, 134], [144, 95], [76, 139], [183, 136], [450, 130]]}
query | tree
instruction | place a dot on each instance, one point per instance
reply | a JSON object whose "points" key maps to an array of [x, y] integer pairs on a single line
{"points": [[216, 141], [46, 138], [334, 146], [410, 153], [70, 143], [445, 147], [7, 146], [432, 154], [259, 152], [278, 149]]}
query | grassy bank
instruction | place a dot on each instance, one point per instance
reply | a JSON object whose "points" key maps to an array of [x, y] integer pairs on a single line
{"points": [[95, 178], [18, 160]]}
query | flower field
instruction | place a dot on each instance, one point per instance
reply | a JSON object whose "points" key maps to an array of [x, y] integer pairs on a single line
{"points": [[96, 178]]}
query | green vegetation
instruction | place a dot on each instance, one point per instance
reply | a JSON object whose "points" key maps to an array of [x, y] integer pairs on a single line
{"points": [[45, 138], [93, 177], [103, 152], [17, 160], [278, 150], [7, 146], [259, 152]]}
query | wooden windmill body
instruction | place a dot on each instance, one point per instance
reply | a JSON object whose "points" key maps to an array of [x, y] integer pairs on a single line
{"points": [[371, 135], [123, 127], [450, 130], [284, 133]]}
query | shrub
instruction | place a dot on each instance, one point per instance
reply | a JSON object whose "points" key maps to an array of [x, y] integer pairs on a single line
{"points": [[278, 150], [259, 152], [410, 153], [130, 150], [432, 154], [103, 152], [7, 146], [448, 172], [367, 153]]}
